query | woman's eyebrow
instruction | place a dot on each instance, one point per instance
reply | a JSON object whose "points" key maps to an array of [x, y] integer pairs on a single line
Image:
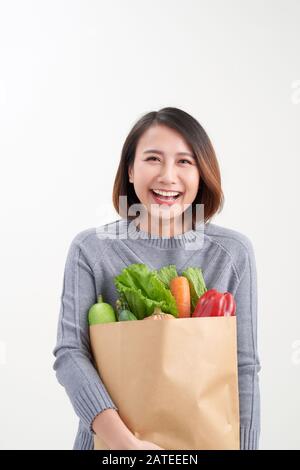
{"points": [[162, 153]]}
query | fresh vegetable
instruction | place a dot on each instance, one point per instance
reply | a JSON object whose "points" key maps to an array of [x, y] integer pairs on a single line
{"points": [[215, 304], [123, 313], [229, 309], [159, 315], [144, 290], [101, 312], [180, 289], [197, 284], [166, 274]]}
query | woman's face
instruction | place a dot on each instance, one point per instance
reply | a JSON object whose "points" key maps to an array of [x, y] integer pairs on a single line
{"points": [[164, 161]]}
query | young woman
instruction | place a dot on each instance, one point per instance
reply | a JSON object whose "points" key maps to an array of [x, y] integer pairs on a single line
{"points": [[167, 171]]}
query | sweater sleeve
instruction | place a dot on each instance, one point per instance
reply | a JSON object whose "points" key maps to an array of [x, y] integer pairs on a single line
{"points": [[73, 364], [248, 358]]}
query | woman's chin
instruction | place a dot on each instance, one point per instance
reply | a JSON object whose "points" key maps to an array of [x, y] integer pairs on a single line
{"points": [[164, 211]]}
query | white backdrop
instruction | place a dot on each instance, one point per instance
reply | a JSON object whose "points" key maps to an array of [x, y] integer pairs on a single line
{"points": [[74, 77]]}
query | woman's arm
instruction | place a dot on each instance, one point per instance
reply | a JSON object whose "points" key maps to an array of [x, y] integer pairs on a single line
{"points": [[112, 430], [248, 358], [73, 364]]}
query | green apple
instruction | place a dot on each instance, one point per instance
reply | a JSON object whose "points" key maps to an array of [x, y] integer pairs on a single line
{"points": [[101, 312]]}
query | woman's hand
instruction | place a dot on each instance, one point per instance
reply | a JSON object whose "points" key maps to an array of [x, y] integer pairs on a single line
{"points": [[110, 428], [139, 444]]}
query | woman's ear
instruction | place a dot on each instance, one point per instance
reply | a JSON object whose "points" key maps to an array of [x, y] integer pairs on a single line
{"points": [[130, 175]]}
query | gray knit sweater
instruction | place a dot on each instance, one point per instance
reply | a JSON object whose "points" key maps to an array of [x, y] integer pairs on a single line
{"points": [[96, 255]]}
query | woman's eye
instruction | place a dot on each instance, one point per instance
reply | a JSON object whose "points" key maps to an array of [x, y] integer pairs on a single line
{"points": [[150, 158], [182, 160]]}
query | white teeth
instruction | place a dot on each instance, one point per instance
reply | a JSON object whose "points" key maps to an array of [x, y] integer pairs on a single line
{"points": [[165, 193]]}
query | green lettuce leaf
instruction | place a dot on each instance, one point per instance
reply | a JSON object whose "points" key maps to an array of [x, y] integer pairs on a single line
{"points": [[166, 274], [144, 290], [196, 283]]}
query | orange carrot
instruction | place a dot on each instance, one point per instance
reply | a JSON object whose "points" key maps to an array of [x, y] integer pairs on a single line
{"points": [[179, 286]]}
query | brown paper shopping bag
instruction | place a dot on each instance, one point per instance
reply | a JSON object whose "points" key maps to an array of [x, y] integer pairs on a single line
{"points": [[175, 382]]}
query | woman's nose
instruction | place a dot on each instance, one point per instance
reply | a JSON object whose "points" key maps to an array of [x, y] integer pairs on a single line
{"points": [[167, 174]]}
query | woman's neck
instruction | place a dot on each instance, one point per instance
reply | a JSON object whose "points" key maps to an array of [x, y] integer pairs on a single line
{"points": [[165, 227]]}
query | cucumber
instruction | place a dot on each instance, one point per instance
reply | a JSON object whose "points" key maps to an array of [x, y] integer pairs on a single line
{"points": [[123, 313]]}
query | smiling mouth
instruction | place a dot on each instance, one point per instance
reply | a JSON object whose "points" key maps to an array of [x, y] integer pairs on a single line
{"points": [[161, 198]]}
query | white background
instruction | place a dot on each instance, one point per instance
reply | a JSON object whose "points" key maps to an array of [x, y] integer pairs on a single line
{"points": [[74, 77]]}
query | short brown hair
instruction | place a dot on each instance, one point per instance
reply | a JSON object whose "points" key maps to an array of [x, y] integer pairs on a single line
{"points": [[209, 193]]}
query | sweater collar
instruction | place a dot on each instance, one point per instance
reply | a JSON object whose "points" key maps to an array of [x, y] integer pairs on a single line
{"points": [[190, 240]]}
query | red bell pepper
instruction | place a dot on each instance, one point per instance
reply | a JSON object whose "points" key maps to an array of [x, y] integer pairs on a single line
{"points": [[215, 304]]}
